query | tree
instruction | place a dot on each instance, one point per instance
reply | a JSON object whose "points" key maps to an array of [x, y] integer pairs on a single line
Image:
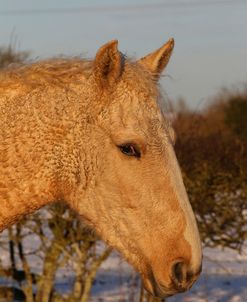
{"points": [[61, 240], [9, 55], [236, 115], [214, 160]]}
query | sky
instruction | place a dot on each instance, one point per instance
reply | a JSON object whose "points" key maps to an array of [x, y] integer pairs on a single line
{"points": [[210, 35]]}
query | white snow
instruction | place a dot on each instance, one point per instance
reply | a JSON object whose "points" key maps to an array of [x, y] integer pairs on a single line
{"points": [[223, 279]]}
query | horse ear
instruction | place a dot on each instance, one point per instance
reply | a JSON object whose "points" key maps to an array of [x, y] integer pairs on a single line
{"points": [[108, 64], [156, 61]]}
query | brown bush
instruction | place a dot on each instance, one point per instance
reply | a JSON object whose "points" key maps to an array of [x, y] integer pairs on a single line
{"points": [[212, 151]]}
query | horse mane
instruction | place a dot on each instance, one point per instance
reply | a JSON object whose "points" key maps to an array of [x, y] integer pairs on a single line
{"points": [[50, 71]]}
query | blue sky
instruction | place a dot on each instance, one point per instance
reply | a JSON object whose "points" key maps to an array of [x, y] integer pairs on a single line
{"points": [[210, 35]]}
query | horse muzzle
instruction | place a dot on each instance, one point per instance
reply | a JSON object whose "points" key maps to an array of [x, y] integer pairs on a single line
{"points": [[181, 280]]}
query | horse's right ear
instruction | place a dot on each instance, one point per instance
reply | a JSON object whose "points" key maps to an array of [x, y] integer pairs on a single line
{"points": [[156, 61], [108, 64]]}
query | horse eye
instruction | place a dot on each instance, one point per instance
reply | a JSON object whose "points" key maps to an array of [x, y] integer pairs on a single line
{"points": [[130, 150]]}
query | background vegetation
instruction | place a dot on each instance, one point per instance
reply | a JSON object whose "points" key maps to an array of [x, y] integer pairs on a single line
{"points": [[212, 150], [211, 147]]}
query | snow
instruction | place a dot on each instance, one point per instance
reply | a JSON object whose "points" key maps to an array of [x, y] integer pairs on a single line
{"points": [[223, 279]]}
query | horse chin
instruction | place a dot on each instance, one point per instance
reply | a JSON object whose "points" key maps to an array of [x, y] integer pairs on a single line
{"points": [[158, 290], [155, 290]]}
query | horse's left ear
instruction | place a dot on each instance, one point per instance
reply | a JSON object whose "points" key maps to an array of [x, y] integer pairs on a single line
{"points": [[156, 61], [108, 64]]}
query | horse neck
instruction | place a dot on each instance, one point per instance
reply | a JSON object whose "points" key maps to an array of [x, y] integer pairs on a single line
{"points": [[39, 157]]}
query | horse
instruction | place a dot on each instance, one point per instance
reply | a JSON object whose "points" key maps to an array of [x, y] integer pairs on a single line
{"points": [[92, 134]]}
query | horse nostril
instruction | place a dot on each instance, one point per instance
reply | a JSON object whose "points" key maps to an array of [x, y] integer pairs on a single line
{"points": [[179, 273]]}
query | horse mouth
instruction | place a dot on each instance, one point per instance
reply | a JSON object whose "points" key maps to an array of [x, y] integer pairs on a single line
{"points": [[157, 289], [160, 291]]}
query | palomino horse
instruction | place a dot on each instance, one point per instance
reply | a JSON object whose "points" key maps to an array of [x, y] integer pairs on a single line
{"points": [[91, 134]]}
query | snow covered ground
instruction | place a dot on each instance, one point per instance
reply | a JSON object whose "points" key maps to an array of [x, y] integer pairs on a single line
{"points": [[224, 279]]}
